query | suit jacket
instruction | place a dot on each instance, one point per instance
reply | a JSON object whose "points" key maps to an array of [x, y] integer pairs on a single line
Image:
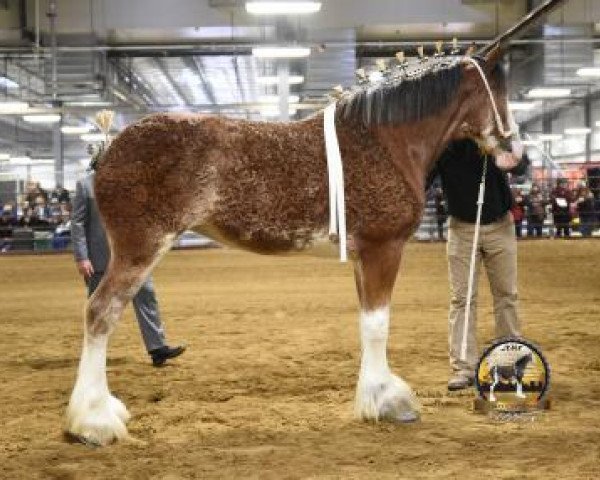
{"points": [[87, 231]]}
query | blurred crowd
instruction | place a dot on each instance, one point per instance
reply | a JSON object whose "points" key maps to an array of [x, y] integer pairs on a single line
{"points": [[40, 210], [560, 210], [542, 210]]}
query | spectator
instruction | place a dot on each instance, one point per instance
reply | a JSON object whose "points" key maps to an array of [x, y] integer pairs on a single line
{"points": [[441, 213], [586, 208], [518, 212], [561, 201], [535, 208], [61, 194]]}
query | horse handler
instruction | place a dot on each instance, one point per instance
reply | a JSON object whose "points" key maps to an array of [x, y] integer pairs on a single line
{"points": [[461, 169], [91, 252]]}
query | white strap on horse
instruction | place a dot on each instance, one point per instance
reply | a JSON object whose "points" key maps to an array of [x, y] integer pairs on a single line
{"points": [[335, 169]]}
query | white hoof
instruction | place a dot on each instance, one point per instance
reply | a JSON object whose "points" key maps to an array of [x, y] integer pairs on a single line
{"points": [[97, 420], [390, 399], [492, 398], [520, 395]]}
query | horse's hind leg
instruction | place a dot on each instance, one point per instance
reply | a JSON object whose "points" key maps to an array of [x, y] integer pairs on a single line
{"points": [[380, 395], [95, 416]]}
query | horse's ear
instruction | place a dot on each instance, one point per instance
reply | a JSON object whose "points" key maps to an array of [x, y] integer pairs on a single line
{"points": [[494, 56]]}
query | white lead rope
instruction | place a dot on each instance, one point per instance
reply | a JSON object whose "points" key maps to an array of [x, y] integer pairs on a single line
{"points": [[335, 170], [463, 346]]}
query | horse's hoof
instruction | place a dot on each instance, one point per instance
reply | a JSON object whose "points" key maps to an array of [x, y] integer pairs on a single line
{"points": [[96, 421], [391, 400], [407, 417]]}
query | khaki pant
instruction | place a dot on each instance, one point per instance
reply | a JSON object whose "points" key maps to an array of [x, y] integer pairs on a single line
{"points": [[498, 249]]}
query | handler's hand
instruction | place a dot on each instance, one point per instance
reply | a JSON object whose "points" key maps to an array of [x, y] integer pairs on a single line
{"points": [[85, 268], [506, 161]]}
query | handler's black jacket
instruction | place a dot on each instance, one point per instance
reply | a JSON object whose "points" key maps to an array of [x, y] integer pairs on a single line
{"points": [[460, 168]]}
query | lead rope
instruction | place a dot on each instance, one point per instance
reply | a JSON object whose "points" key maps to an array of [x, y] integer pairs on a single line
{"points": [[463, 347]]}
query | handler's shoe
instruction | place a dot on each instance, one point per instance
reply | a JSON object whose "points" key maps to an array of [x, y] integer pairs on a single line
{"points": [[161, 355], [459, 382]]}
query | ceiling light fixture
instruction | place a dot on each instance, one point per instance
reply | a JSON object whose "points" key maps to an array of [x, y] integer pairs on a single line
{"points": [[280, 52], [93, 137], [521, 106], [76, 130], [13, 107], [549, 137], [6, 82], [274, 80], [282, 8], [46, 118], [589, 72], [577, 131], [548, 92], [4, 156]]}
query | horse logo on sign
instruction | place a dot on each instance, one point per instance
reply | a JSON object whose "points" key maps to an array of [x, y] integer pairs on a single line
{"points": [[512, 375]]}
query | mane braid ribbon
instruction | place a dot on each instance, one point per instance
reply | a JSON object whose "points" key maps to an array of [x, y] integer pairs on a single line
{"points": [[335, 170]]}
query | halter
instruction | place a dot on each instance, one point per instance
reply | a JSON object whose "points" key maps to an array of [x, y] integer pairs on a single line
{"points": [[499, 124]]}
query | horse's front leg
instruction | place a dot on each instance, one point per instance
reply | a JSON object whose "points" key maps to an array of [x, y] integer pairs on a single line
{"points": [[519, 391], [380, 395], [495, 380]]}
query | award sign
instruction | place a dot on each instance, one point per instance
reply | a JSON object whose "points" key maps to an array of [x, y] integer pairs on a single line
{"points": [[512, 377]]}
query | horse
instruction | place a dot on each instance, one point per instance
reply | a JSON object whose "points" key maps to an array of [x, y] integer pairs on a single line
{"points": [[263, 187], [507, 373]]}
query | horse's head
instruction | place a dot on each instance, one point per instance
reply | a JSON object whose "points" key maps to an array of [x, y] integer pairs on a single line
{"points": [[488, 119]]}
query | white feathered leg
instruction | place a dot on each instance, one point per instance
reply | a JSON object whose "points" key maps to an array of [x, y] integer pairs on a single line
{"points": [[380, 395], [94, 415]]}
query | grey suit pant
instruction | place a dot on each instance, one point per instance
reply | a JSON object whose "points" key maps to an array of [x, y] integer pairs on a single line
{"points": [[145, 306]]}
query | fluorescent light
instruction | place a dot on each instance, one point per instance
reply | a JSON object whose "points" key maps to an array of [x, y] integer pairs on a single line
{"points": [[598, 123], [76, 130], [30, 161], [544, 92], [521, 106], [48, 118], [589, 72], [548, 137], [280, 52], [89, 103], [282, 8], [6, 82], [93, 137], [4, 156], [13, 107], [530, 143], [275, 99], [577, 131], [274, 80]]}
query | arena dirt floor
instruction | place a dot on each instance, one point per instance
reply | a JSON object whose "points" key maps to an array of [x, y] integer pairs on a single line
{"points": [[266, 387]]}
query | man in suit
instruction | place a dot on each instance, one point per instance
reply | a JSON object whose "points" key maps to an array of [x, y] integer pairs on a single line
{"points": [[91, 252]]}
